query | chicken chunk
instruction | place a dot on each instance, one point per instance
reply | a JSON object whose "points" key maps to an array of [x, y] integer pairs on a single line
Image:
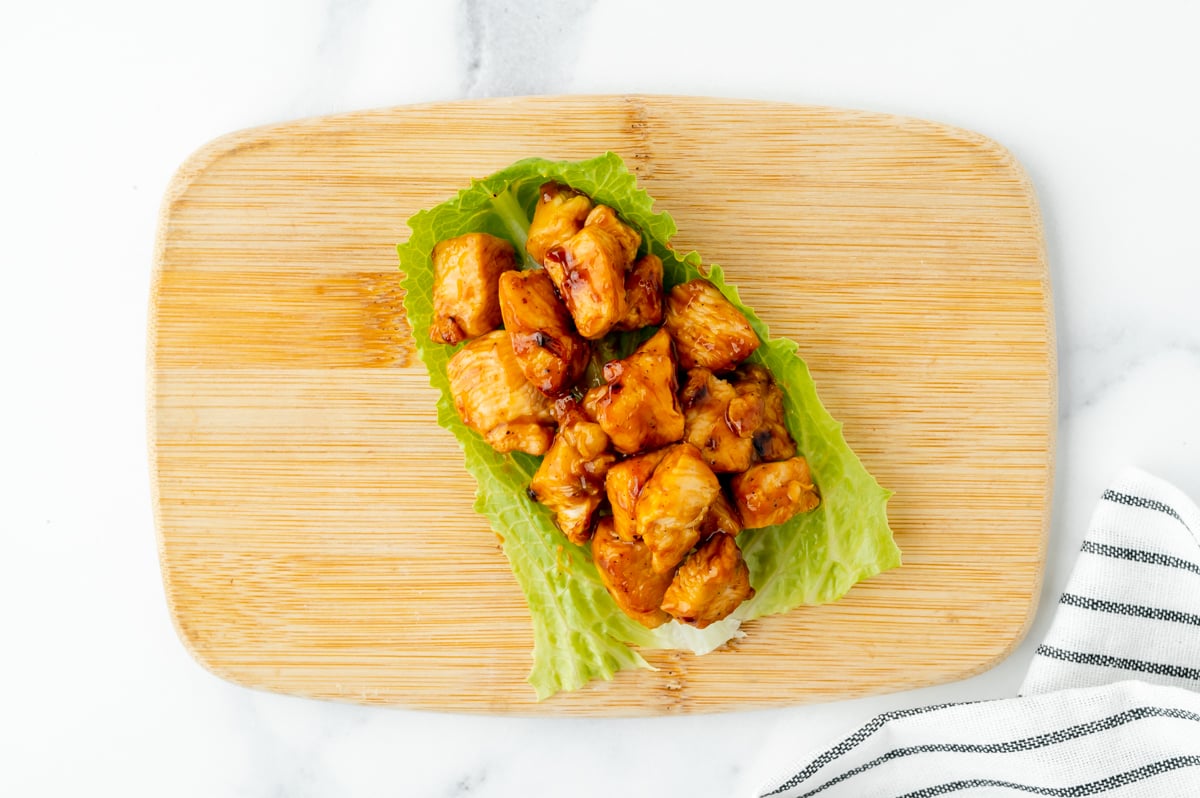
{"points": [[624, 484], [710, 584], [466, 299], [551, 355], [638, 407], [560, 214], [607, 220], [626, 570], [721, 517], [771, 493], [493, 397], [708, 330], [674, 504], [588, 269], [570, 479], [706, 399], [757, 413], [643, 294]]}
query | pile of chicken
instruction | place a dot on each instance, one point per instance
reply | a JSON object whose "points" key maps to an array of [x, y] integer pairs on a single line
{"points": [[660, 479]]}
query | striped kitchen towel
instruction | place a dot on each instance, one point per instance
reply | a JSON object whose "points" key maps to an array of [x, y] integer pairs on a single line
{"points": [[1131, 609], [1110, 705]]}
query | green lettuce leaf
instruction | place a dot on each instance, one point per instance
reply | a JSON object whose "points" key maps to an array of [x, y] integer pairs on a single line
{"points": [[579, 633]]}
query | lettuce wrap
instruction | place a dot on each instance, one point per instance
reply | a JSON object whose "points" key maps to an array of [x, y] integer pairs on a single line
{"points": [[579, 633]]}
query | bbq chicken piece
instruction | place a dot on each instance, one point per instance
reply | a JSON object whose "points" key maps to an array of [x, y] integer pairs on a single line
{"points": [[560, 214], [551, 355], [674, 504], [570, 479], [466, 302], [624, 484], [643, 294], [710, 584], [721, 517], [625, 569], [607, 220], [588, 269], [771, 493], [493, 397], [757, 413], [638, 407], [706, 400], [708, 330]]}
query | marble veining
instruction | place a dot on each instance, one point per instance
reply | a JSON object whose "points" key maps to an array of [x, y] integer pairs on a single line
{"points": [[506, 53], [106, 100]]}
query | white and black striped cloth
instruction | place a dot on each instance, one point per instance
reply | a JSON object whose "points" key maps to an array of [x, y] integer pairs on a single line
{"points": [[1110, 705]]}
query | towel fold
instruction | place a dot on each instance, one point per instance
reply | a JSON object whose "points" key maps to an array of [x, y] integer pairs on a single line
{"points": [[1111, 702]]}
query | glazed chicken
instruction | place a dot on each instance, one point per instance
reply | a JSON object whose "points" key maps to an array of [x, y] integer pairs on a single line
{"points": [[570, 479], [623, 486], [757, 413], [587, 273], [643, 294], [560, 214], [465, 295], [706, 401], [674, 504], [625, 569], [606, 219], [551, 355], [625, 483], [771, 493], [638, 407], [493, 397], [708, 330], [735, 423], [710, 584], [589, 269]]}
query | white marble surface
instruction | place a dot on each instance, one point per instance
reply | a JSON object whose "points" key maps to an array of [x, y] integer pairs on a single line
{"points": [[105, 99]]}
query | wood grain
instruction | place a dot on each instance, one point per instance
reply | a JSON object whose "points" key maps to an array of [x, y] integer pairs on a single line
{"points": [[315, 525]]}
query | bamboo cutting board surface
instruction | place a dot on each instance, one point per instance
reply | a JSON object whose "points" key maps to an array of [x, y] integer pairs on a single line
{"points": [[315, 525]]}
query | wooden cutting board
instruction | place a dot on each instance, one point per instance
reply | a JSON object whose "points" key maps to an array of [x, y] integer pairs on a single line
{"points": [[315, 525]]}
